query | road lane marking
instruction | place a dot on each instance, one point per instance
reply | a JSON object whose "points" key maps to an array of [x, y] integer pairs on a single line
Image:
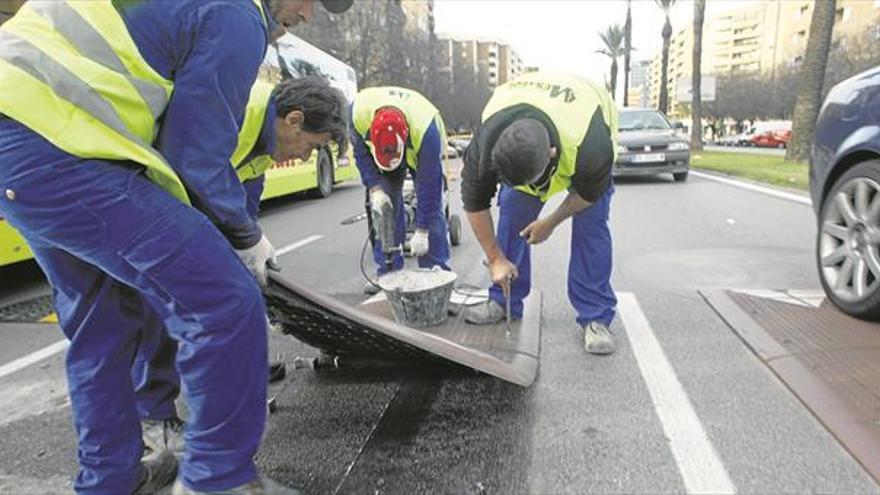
{"points": [[797, 198], [698, 462], [297, 245], [34, 357]]}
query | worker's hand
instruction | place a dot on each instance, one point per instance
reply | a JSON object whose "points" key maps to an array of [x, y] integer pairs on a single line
{"points": [[379, 200], [418, 245], [537, 231], [502, 271], [258, 258]]}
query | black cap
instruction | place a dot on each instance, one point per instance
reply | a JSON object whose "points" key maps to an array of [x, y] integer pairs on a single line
{"points": [[336, 6], [522, 152]]}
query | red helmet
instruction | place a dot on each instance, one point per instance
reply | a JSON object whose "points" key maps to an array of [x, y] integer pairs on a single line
{"points": [[388, 135]]}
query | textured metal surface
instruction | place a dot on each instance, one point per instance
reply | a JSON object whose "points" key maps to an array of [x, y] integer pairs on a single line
{"points": [[828, 359], [28, 311], [336, 328]]}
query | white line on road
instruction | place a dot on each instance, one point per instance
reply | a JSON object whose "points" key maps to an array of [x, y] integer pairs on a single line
{"points": [[797, 198], [34, 357], [297, 245], [694, 453]]}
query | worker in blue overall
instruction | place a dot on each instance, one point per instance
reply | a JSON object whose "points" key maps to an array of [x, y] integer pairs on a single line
{"points": [[118, 121], [390, 127], [284, 122], [543, 134]]}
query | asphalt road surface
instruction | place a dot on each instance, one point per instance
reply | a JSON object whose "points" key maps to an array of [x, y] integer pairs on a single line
{"points": [[683, 406]]}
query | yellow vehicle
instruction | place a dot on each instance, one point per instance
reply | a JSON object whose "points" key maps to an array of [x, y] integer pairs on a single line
{"points": [[293, 57]]}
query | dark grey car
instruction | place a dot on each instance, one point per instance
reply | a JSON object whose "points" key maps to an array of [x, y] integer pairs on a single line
{"points": [[648, 144]]}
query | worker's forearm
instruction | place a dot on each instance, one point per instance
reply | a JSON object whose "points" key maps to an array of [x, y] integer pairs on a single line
{"points": [[571, 206], [484, 231]]}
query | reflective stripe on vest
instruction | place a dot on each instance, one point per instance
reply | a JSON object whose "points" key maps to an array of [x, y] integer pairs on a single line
{"points": [[569, 102], [70, 71], [418, 111], [254, 117]]}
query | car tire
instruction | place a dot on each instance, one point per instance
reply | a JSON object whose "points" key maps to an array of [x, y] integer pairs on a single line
{"points": [[454, 230], [680, 176], [849, 234], [325, 174]]}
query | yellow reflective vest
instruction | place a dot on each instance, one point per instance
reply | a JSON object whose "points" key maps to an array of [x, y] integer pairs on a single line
{"points": [[70, 71], [569, 102], [418, 111], [254, 117]]}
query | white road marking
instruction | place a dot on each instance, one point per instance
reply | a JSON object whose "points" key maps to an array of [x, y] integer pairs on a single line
{"points": [[797, 198], [34, 357], [298, 244], [698, 462]]}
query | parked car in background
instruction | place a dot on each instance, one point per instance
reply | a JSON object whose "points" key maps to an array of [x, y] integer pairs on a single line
{"points": [[845, 189], [648, 144], [460, 143], [771, 139]]}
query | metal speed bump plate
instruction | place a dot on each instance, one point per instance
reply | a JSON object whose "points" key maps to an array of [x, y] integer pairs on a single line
{"points": [[370, 332]]}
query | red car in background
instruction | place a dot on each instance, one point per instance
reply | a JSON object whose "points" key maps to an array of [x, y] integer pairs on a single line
{"points": [[771, 139]]}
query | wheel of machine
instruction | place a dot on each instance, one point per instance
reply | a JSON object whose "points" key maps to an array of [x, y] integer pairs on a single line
{"points": [[680, 176], [848, 242], [325, 174], [454, 230]]}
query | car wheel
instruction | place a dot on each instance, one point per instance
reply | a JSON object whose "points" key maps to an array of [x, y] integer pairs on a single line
{"points": [[848, 242], [680, 176], [454, 230], [325, 174]]}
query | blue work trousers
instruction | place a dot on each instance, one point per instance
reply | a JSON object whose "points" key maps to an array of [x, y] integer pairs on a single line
{"points": [[119, 252], [438, 231], [589, 268]]}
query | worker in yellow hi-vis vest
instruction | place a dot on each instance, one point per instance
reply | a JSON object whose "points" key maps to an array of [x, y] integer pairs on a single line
{"points": [[117, 123], [285, 122], [544, 134]]}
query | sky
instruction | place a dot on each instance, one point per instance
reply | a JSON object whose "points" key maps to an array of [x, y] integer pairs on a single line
{"points": [[563, 35]]}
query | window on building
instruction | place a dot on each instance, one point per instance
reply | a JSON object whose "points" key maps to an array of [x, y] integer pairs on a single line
{"points": [[803, 10], [841, 14], [798, 60]]}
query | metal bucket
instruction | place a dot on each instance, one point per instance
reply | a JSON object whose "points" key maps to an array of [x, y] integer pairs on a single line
{"points": [[419, 298]]}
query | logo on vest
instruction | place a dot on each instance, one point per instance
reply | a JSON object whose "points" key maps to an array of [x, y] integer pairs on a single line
{"points": [[400, 94], [555, 90]]}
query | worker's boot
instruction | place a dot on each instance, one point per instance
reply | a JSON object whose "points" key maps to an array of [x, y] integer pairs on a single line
{"points": [[598, 338], [259, 486], [163, 436], [158, 472], [485, 313], [371, 289]]}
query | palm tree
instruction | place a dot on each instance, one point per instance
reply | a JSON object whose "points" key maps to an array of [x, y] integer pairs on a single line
{"points": [[697, 78], [627, 49], [666, 7], [809, 98], [613, 39]]}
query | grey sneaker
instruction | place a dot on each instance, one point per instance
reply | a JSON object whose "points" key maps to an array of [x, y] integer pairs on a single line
{"points": [[370, 289], [598, 339], [485, 313], [159, 472], [259, 486], [163, 436]]}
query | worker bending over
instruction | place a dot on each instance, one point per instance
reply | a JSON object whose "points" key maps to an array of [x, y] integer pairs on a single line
{"points": [[543, 134], [390, 127], [288, 122], [118, 121]]}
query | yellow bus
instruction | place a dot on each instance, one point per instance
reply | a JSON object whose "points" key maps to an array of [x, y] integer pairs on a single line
{"points": [[292, 57]]}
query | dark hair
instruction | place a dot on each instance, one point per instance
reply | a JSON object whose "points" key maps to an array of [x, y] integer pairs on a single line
{"points": [[522, 151], [324, 107]]}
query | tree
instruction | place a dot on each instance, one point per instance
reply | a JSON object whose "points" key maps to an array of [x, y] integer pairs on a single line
{"points": [[812, 77], [697, 78], [613, 39], [627, 50], [666, 7]]}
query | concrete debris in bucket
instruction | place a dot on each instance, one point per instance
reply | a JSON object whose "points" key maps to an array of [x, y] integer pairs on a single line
{"points": [[415, 280]]}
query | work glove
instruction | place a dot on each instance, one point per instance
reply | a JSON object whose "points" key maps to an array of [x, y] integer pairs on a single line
{"points": [[379, 201], [418, 245], [258, 258]]}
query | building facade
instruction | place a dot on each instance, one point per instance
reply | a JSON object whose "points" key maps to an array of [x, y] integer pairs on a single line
{"points": [[491, 62]]}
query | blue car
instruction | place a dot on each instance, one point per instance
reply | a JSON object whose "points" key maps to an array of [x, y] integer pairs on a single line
{"points": [[845, 189]]}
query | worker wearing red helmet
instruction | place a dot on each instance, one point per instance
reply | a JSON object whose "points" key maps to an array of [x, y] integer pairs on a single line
{"points": [[395, 130]]}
